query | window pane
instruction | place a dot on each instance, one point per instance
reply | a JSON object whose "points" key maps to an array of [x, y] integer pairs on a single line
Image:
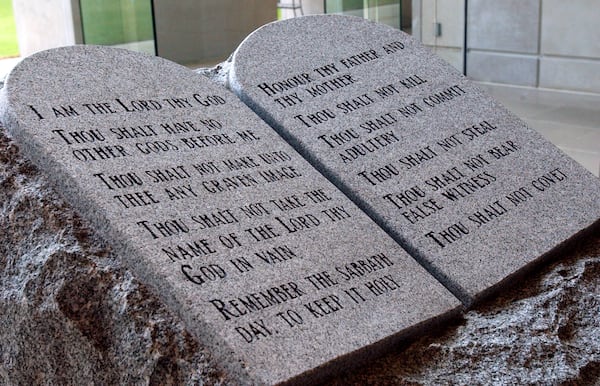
{"points": [[122, 23], [384, 11]]}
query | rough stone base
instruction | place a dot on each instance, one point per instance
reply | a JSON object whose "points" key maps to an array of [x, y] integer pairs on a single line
{"points": [[71, 314], [545, 331]]}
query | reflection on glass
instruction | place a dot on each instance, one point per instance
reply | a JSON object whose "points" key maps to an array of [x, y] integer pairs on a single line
{"points": [[383, 11], [121, 23]]}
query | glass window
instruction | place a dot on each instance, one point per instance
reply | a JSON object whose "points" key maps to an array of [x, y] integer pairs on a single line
{"points": [[383, 11], [121, 23]]}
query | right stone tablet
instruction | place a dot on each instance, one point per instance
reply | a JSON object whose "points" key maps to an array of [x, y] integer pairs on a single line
{"points": [[464, 185]]}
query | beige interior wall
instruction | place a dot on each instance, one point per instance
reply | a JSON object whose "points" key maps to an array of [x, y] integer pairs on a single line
{"points": [[535, 43], [570, 45]]}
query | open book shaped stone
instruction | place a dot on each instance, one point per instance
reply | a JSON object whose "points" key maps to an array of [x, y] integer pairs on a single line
{"points": [[264, 259], [461, 183]]}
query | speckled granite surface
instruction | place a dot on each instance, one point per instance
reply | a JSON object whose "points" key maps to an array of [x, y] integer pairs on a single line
{"points": [[71, 314]]}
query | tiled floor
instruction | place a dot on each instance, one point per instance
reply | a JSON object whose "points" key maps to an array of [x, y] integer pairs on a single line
{"points": [[570, 120]]}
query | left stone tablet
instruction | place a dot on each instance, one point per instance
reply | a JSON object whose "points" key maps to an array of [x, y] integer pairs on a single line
{"points": [[262, 257]]}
